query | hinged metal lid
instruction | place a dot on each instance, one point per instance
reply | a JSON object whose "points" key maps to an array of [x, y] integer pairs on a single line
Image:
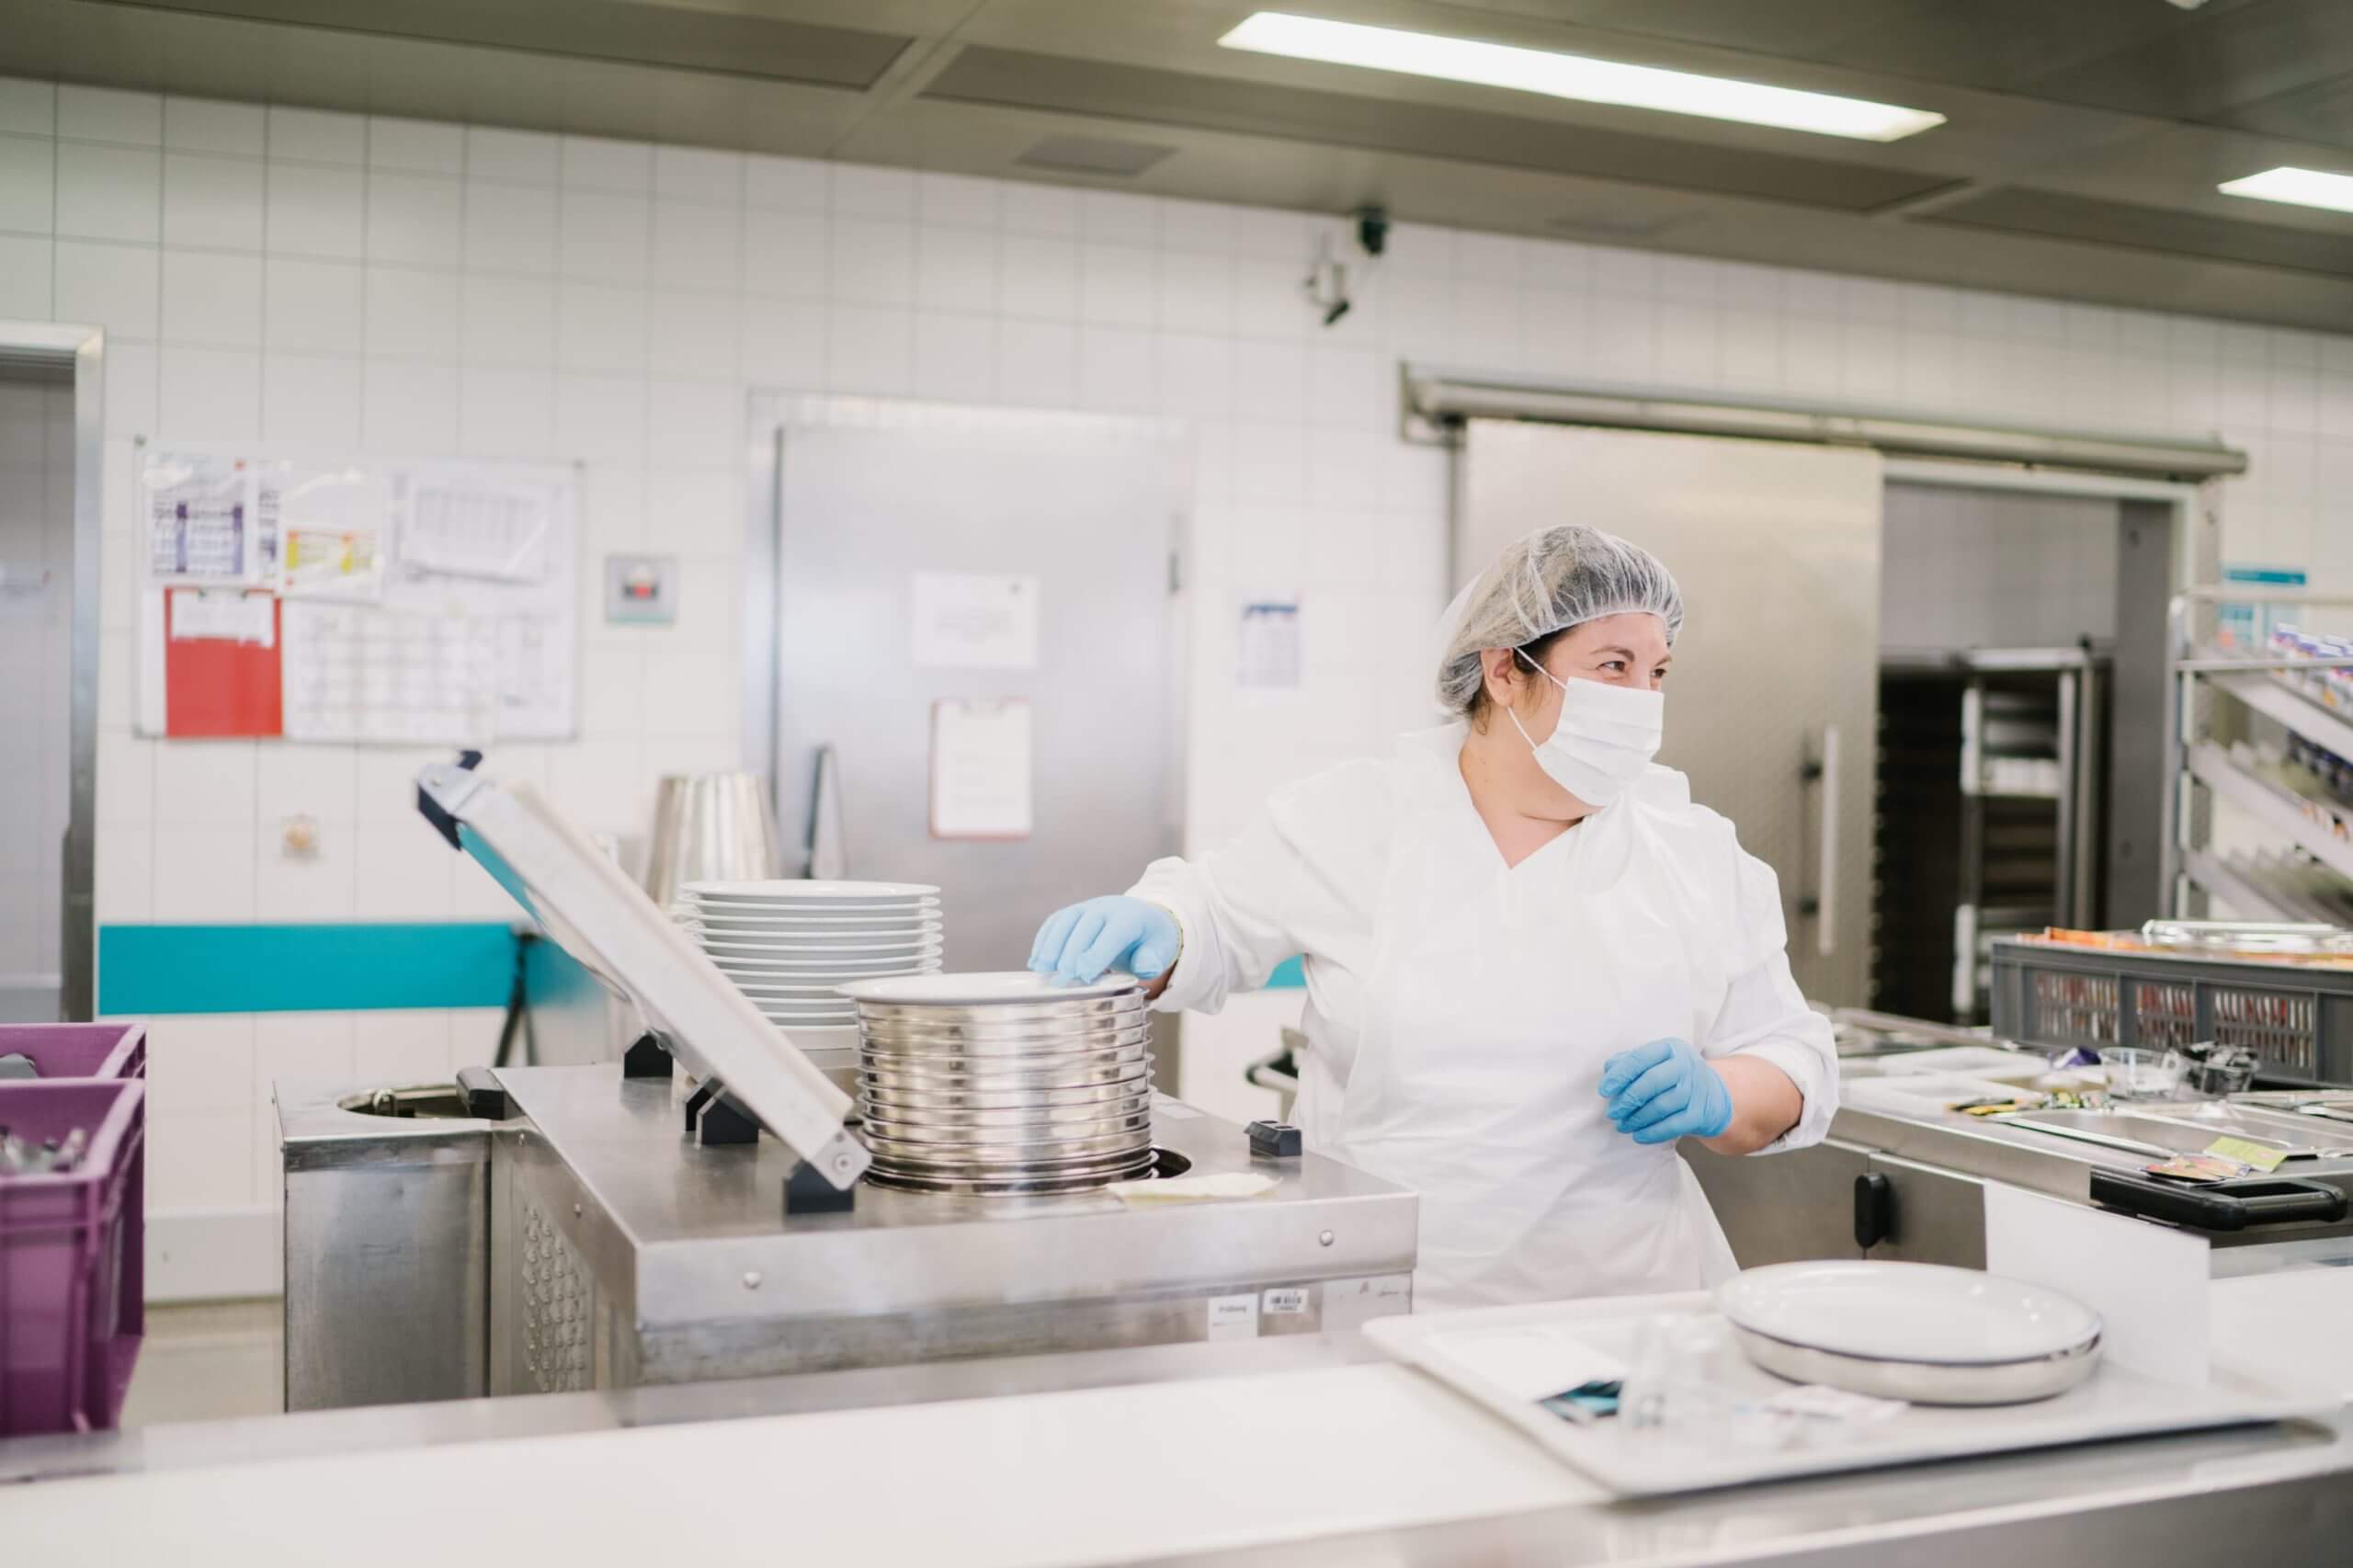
{"points": [[595, 913]]}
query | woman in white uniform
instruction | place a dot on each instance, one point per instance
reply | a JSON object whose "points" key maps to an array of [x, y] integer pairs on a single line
{"points": [[1532, 963]]}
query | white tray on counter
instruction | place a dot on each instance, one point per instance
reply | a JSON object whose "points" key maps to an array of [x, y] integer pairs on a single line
{"points": [[2110, 1403]]}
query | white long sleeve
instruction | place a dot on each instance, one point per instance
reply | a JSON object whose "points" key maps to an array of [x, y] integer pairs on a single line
{"points": [[1301, 880], [1764, 1016]]}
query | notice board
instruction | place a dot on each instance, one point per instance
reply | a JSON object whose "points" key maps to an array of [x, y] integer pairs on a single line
{"points": [[321, 597]]}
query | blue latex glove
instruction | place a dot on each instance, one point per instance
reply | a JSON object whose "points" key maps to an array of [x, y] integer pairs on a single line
{"points": [[1666, 1090], [1077, 945]]}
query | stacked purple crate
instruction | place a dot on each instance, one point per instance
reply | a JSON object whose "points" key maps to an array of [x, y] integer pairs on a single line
{"points": [[72, 1239]]}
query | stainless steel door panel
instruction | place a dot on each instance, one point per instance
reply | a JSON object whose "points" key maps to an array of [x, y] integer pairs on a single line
{"points": [[1777, 549], [1092, 508]]}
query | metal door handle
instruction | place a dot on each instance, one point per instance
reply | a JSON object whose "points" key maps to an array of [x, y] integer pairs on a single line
{"points": [[1823, 904]]}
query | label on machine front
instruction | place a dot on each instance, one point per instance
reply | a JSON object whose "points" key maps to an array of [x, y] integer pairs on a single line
{"points": [[1288, 1301], [1233, 1317]]}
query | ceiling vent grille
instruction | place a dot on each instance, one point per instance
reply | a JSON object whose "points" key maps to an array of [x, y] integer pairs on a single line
{"points": [[1095, 155]]}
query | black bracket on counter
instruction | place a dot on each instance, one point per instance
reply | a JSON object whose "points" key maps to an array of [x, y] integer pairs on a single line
{"points": [[1275, 1139], [645, 1059], [714, 1120], [806, 1191]]}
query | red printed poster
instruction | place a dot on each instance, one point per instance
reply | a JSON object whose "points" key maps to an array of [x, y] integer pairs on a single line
{"points": [[221, 664]]}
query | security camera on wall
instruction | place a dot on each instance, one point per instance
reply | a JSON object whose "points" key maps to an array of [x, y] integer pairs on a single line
{"points": [[1327, 280]]}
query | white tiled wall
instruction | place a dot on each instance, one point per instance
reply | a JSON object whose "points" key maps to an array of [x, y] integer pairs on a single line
{"points": [[1994, 568], [36, 652], [294, 277]]}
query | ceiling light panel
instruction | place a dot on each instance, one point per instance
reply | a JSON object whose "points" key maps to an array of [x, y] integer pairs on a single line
{"points": [[2305, 188], [1574, 76]]}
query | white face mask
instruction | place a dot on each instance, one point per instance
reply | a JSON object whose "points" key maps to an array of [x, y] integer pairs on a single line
{"points": [[1604, 738]]}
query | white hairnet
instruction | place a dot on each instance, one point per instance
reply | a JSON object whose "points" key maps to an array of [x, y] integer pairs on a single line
{"points": [[1549, 581]]}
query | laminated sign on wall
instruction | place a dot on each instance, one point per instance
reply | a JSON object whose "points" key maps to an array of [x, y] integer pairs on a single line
{"points": [[971, 620], [979, 769], [415, 602]]}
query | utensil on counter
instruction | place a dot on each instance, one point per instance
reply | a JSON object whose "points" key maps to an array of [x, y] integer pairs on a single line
{"points": [[2217, 1071], [2134, 1073], [50, 1156], [1917, 1332], [709, 826]]}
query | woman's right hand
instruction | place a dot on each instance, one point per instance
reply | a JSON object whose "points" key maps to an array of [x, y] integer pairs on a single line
{"points": [[1078, 945]]}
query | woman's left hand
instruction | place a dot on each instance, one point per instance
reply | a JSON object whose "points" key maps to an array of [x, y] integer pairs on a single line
{"points": [[1666, 1090]]}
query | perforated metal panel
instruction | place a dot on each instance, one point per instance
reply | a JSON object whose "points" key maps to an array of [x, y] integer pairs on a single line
{"points": [[557, 1304]]}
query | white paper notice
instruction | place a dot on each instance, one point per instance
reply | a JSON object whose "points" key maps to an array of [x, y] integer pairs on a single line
{"points": [[358, 673], [970, 621], [473, 528], [2148, 1284], [201, 518], [227, 616], [1265, 657], [979, 769]]}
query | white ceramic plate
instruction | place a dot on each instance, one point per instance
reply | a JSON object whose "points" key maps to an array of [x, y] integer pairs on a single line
{"points": [[930, 924], [805, 909], [817, 948], [1907, 1311], [967, 990], [807, 919], [847, 969], [797, 891]]}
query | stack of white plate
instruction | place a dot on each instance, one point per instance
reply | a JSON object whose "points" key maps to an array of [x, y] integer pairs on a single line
{"points": [[789, 946]]}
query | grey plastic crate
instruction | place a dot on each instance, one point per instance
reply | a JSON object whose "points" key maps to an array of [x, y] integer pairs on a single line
{"points": [[2298, 1021]]}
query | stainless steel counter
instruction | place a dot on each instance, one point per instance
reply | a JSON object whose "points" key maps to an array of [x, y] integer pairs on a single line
{"points": [[1905, 1182], [2282, 1495]]}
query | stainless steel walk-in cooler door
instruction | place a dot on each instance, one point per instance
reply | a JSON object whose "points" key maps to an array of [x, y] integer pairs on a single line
{"points": [[891, 520], [1776, 548]]}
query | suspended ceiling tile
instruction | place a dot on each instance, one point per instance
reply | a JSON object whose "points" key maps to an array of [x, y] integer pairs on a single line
{"points": [[1996, 44], [2223, 61], [1018, 79], [2058, 215], [677, 36], [2320, 112]]}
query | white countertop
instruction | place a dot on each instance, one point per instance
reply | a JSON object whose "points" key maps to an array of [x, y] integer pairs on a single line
{"points": [[1098, 1475], [1103, 1475]]}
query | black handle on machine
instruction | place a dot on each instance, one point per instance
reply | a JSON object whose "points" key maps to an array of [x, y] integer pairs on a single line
{"points": [[485, 1096], [1874, 1209], [443, 822], [2237, 1205]]}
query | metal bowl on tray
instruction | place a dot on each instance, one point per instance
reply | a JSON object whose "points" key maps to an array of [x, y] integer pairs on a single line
{"points": [[1917, 1332]]}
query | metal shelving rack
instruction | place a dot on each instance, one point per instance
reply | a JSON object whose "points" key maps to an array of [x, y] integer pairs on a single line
{"points": [[1991, 764], [2313, 879]]}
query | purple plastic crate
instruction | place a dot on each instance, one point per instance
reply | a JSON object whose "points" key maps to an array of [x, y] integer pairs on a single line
{"points": [[73, 1259], [80, 1051]]}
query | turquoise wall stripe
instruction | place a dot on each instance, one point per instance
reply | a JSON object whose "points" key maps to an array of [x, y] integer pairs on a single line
{"points": [[1290, 976], [322, 967]]}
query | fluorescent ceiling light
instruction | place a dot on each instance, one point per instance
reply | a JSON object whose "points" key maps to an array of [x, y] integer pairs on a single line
{"points": [[1574, 76], [2305, 188]]}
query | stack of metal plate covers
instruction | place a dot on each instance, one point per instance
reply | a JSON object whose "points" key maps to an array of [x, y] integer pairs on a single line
{"points": [[1003, 1082]]}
